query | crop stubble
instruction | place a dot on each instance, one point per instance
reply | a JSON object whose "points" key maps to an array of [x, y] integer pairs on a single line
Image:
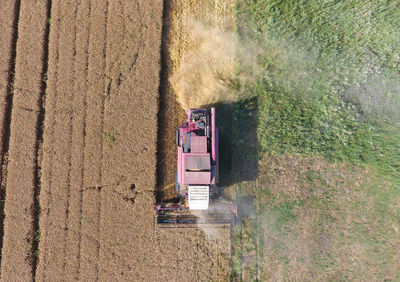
{"points": [[57, 159], [73, 154], [98, 168]]}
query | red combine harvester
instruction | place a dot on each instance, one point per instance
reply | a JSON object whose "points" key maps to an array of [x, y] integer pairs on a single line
{"points": [[198, 198]]}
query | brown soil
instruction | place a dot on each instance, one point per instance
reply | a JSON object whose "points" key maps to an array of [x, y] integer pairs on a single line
{"points": [[95, 173]]}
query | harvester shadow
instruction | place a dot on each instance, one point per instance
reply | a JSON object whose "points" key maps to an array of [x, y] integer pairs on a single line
{"points": [[238, 147]]}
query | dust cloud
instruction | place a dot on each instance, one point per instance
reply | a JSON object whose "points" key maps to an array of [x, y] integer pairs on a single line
{"points": [[208, 70]]}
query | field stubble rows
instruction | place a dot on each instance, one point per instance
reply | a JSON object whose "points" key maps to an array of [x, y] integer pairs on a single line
{"points": [[85, 75]]}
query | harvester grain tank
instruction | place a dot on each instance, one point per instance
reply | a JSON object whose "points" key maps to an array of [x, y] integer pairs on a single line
{"points": [[198, 198]]}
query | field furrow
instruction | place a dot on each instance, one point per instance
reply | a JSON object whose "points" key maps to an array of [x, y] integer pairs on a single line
{"points": [[21, 214]]}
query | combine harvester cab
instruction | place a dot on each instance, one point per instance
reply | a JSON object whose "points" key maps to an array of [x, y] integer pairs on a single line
{"points": [[198, 195]]}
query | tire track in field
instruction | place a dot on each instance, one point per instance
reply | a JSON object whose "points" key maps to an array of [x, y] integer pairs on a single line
{"points": [[103, 105], [63, 131], [84, 145], [56, 157], [73, 112], [8, 46], [73, 239], [90, 244], [48, 141]]}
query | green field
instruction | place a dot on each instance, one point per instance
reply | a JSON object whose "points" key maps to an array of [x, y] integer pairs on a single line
{"points": [[323, 110]]}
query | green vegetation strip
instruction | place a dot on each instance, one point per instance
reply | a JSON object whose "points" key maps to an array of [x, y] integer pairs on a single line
{"points": [[326, 89]]}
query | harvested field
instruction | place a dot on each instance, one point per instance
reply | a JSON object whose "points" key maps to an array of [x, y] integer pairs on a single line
{"points": [[81, 119]]}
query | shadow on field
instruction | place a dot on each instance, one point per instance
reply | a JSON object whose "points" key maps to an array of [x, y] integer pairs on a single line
{"points": [[170, 116], [237, 124]]}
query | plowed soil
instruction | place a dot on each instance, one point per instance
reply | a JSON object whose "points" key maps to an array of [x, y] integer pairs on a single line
{"points": [[80, 147]]}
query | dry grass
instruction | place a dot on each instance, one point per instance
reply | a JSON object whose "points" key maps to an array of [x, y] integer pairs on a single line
{"points": [[323, 221], [293, 178]]}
